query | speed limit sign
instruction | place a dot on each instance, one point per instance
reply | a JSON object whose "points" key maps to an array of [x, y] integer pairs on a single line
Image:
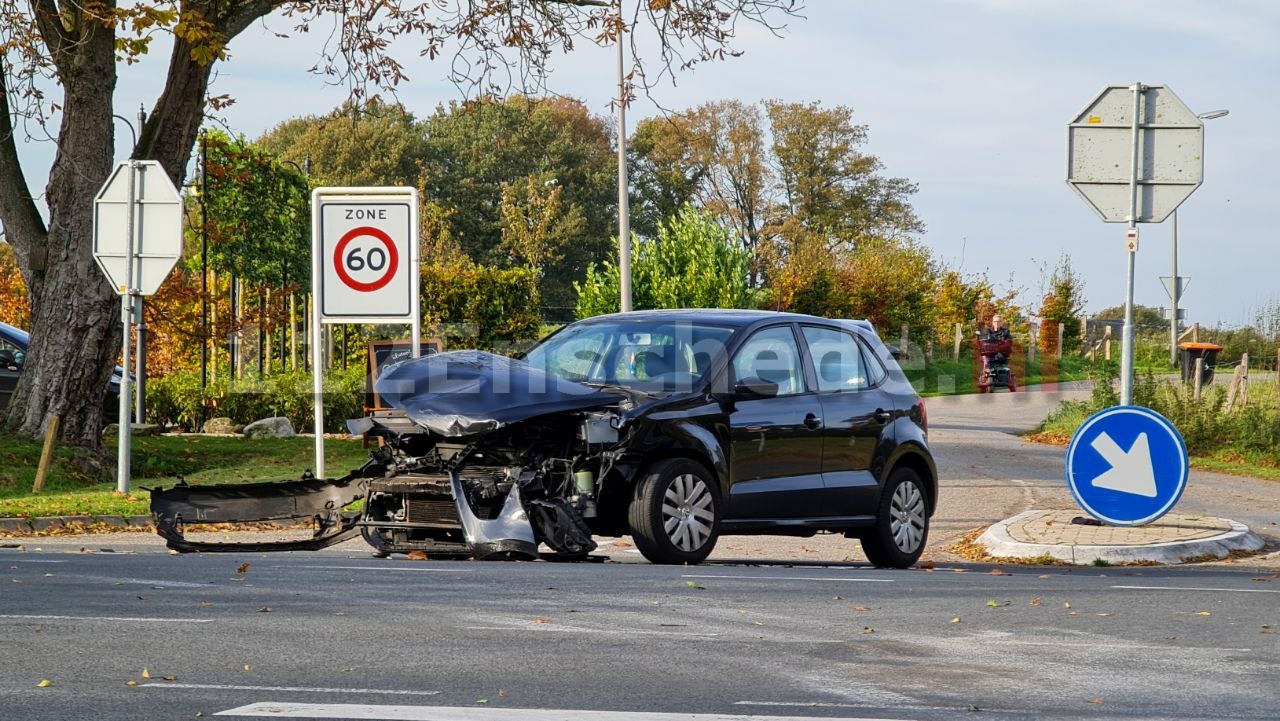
{"points": [[365, 249]]}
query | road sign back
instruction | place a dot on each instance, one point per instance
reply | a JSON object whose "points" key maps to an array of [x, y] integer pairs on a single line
{"points": [[1100, 153], [139, 207], [1127, 465]]}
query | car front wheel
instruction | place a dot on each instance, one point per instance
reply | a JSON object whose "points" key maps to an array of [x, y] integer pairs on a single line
{"points": [[675, 515], [902, 522]]}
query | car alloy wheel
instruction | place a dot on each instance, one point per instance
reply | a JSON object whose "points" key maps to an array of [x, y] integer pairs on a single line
{"points": [[675, 514], [687, 512], [907, 512]]}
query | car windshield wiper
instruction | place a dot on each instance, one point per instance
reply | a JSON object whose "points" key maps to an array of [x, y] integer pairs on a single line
{"points": [[602, 385]]}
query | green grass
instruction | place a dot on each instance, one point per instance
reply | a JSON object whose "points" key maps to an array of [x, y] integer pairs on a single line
{"points": [[1244, 441], [946, 377], [81, 485]]}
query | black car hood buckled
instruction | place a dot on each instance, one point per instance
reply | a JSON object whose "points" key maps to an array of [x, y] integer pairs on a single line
{"points": [[462, 393]]}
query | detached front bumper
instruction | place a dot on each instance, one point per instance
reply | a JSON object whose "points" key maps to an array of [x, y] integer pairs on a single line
{"points": [[509, 535]]}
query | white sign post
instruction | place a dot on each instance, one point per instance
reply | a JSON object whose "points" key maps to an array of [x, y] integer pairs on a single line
{"points": [[1134, 154], [137, 239], [364, 269]]}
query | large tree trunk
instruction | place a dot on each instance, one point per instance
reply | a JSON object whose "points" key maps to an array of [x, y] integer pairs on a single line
{"points": [[75, 325]]}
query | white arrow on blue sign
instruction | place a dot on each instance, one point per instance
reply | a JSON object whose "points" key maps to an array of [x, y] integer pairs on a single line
{"points": [[1127, 465]]}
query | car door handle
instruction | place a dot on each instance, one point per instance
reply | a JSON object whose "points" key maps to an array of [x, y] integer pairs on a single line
{"points": [[812, 421], [883, 416]]}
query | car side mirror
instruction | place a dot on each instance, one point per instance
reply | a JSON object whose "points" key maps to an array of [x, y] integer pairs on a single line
{"points": [[754, 387]]}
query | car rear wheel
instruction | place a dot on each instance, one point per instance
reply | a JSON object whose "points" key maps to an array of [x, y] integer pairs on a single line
{"points": [[675, 515], [902, 522]]}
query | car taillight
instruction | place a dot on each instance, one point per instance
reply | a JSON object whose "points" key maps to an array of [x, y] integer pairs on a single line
{"points": [[924, 415]]}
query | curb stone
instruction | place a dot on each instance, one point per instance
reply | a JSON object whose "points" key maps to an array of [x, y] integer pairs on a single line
{"points": [[1000, 544]]}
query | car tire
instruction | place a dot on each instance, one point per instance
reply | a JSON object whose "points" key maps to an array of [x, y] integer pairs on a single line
{"points": [[374, 537], [902, 522], [675, 514]]}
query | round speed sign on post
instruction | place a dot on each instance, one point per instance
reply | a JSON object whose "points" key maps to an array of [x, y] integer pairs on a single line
{"points": [[364, 269], [365, 245]]}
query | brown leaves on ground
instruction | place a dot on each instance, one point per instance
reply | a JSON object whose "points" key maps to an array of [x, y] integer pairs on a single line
{"points": [[540, 621], [243, 568], [417, 556], [1000, 572]]}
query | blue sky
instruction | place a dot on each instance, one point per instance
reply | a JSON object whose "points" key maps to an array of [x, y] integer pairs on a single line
{"points": [[968, 98]]}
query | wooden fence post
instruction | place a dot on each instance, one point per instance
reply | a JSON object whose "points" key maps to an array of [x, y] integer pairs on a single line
{"points": [[906, 336], [955, 352], [1196, 382], [1062, 332], [46, 456], [1031, 347], [1106, 343]]}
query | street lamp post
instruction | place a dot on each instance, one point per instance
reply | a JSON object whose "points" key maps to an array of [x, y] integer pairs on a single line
{"points": [[624, 209], [1175, 283]]}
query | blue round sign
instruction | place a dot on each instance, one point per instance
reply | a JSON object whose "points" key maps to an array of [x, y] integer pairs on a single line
{"points": [[1127, 465]]}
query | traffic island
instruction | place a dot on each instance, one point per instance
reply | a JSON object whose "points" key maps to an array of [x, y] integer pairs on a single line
{"points": [[1069, 537]]}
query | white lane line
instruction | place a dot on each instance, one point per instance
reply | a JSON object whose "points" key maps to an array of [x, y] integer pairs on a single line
{"points": [[370, 712], [385, 568], [789, 578], [821, 704], [148, 619], [301, 689], [1195, 588], [558, 628], [33, 560]]}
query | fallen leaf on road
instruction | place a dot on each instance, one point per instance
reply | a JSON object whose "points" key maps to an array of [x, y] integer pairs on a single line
{"points": [[416, 555], [956, 619], [501, 693], [1096, 701], [130, 682], [146, 673], [868, 629], [1266, 628], [1203, 613], [1103, 615], [999, 572], [482, 700], [1066, 604], [861, 608], [170, 678], [758, 623], [541, 621], [694, 585], [1044, 576], [265, 609], [926, 565], [1034, 602], [1073, 613], [837, 598], [247, 667], [243, 568], [45, 683], [205, 604], [996, 604]]}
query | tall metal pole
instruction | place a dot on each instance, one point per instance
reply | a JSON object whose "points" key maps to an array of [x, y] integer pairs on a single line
{"points": [[1173, 293], [1126, 347], [624, 209], [125, 433], [140, 403], [204, 268]]}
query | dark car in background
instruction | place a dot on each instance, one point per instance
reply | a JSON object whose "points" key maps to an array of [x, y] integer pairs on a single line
{"points": [[13, 353], [675, 427]]}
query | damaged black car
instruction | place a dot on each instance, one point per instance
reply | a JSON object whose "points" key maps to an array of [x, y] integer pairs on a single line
{"points": [[674, 427]]}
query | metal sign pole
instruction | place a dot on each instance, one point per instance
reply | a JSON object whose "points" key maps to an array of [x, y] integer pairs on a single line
{"points": [[317, 362], [125, 434], [1126, 347], [1173, 295]]}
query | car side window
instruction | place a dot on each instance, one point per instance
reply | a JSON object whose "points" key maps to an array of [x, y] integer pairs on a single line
{"points": [[837, 358], [772, 356], [875, 371]]}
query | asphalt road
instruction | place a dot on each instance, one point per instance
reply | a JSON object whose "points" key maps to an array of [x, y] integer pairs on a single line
{"points": [[293, 635], [774, 628]]}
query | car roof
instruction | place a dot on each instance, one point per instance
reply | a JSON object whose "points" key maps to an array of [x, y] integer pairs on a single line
{"points": [[15, 334], [723, 316]]}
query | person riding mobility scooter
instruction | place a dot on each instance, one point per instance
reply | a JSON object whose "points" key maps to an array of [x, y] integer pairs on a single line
{"points": [[995, 345]]}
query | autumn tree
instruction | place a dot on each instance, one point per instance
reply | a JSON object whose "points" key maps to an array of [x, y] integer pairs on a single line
{"points": [[352, 146], [13, 293], [58, 72], [1062, 302]]}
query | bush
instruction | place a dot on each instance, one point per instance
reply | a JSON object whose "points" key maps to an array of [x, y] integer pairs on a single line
{"points": [[176, 399], [481, 307]]}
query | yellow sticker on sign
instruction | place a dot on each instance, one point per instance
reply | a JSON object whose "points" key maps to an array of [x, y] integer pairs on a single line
{"points": [[1094, 120]]}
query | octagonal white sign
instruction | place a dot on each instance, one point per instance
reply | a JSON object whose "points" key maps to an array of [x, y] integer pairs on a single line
{"points": [[137, 214], [1100, 150]]}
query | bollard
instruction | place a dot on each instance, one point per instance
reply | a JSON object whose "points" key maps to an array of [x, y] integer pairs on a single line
{"points": [[955, 351], [46, 456], [1196, 378]]}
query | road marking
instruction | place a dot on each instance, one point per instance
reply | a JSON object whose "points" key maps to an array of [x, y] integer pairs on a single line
{"points": [[822, 704], [148, 619], [1194, 588], [302, 689], [137, 581], [559, 628], [788, 578], [33, 560], [370, 712]]}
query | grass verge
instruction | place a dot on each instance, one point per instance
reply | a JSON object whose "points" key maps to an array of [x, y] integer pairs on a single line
{"points": [[77, 482]]}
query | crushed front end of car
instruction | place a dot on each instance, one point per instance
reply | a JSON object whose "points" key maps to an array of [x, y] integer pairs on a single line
{"points": [[482, 456]]}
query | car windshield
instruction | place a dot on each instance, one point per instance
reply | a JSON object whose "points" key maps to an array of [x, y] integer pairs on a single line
{"points": [[646, 355]]}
